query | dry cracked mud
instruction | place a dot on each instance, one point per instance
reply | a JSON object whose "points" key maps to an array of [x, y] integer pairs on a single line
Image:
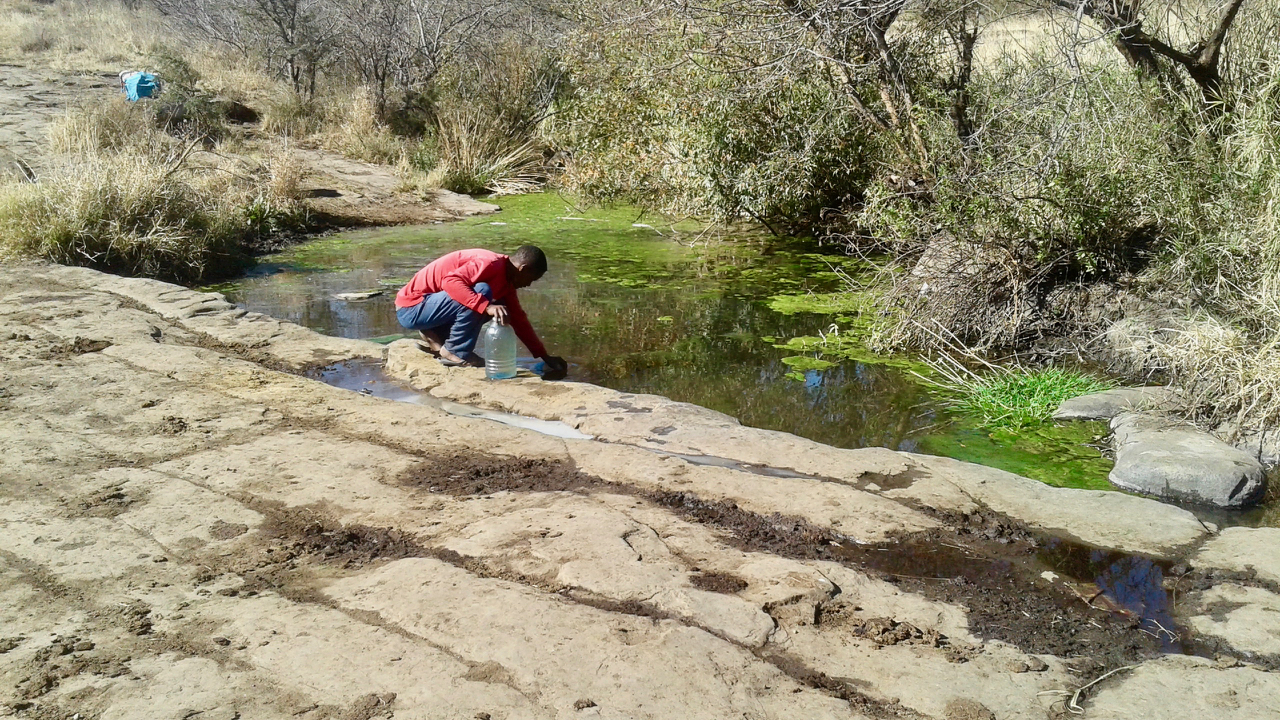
{"points": [[191, 528]]}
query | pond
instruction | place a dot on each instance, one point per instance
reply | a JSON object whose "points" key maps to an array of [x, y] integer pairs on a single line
{"points": [[643, 306]]}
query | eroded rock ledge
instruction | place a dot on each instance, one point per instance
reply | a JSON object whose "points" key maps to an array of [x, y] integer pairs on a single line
{"points": [[187, 531]]}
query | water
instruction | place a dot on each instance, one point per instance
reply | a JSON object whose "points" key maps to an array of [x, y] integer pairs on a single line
{"points": [[499, 351], [664, 310], [367, 377]]}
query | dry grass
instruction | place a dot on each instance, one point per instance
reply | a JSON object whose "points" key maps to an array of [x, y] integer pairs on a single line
{"points": [[354, 130], [77, 35], [127, 198], [475, 155], [1230, 379], [109, 126]]}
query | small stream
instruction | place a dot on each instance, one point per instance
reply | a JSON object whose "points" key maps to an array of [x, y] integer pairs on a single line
{"points": [[640, 306]]}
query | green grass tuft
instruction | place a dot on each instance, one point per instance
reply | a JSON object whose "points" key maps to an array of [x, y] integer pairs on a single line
{"points": [[1014, 397]]}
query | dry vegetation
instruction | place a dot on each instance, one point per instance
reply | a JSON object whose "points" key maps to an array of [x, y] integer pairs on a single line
{"points": [[134, 199], [168, 188]]}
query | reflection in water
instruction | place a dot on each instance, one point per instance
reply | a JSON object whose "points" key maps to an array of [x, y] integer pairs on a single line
{"points": [[1132, 583]]}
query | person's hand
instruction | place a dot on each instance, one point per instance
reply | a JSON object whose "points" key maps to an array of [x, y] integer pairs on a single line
{"points": [[556, 367], [498, 312]]}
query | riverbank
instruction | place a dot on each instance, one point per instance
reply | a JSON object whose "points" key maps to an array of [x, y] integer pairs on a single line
{"points": [[189, 529]]}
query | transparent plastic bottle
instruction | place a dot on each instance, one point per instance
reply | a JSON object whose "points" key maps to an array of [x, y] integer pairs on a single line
{"points": [[500, 351]]}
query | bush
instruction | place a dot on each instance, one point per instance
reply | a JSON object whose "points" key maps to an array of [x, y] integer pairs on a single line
{"points": [[700, 139], [134, 200]]}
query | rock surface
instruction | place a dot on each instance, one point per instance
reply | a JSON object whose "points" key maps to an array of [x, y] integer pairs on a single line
{"points": [[1242, 549], [659, 424], [187, 531], [1110, 403], [1179, 462], [1246, 618]]}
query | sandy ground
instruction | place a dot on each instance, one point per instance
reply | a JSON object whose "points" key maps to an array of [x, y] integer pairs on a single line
{"points": [[189, 530]]}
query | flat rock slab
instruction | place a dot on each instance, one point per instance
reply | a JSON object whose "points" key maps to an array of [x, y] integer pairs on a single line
{"points": [[1110, 403], [1246, 618], [1095, 517], [1179, 462], [658, 424], [1180, 687], [1243, 549]]}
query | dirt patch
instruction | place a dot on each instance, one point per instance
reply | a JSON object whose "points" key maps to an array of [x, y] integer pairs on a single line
{"points": [[882, 631], [966, 709], [221, 530], [106, 503], [718, 582], [625, 607], [79, 346], [171, 425], [64, 658], [135, 616], [859, 701], [476, 474], [985, 562], [303, 532], [368, 707]]}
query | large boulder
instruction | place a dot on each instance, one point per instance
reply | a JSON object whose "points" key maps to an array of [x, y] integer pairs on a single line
{"points": [[1110, 403], [1173, 461]]}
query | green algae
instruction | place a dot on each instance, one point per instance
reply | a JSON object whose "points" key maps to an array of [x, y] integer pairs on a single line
{"points": [[805, 363], [832, 303], [1062, 455], [851, 346]]}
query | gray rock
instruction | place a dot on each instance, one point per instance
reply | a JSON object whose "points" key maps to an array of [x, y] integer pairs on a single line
{"points": [[1110, 403], [1179, 462], [1245, 618]]}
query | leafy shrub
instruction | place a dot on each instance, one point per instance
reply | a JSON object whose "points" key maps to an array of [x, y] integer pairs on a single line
{"points": [[647, 126]]}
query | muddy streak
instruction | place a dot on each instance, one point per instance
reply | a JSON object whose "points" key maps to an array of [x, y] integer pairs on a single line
{"points": [[302, 534], [257, 354], [796, 669], [718, 582], [986, 563]]}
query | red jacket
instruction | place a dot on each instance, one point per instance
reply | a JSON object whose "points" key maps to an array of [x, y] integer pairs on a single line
{"points": [[457, 272]]}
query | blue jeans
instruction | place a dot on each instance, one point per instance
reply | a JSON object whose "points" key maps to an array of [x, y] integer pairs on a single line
{"points": [[448, 318]]}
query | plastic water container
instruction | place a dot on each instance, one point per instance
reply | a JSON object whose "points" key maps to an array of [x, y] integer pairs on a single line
{"points": [[500, 351]]}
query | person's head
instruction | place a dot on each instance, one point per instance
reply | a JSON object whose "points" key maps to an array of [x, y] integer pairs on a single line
{"points": [[528, 263]]}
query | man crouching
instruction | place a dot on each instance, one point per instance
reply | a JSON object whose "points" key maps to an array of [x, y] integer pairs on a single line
{"points": [[449, 300]]}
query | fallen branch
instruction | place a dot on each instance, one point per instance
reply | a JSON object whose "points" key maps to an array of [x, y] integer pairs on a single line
{"points": [[1073, 704]]}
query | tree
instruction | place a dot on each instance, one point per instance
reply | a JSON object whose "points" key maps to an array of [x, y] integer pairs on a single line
{"points": [[1147, 52]]}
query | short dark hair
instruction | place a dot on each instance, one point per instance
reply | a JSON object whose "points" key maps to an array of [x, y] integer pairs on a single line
{"points": [[531, 258]]}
